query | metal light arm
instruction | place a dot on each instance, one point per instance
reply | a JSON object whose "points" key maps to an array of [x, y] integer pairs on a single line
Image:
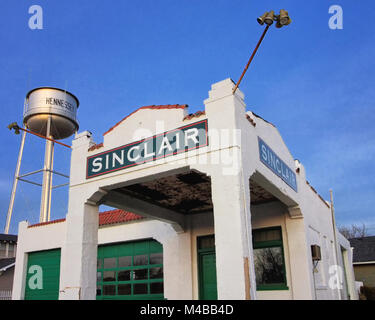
{"points": [[251, 58], [17, 129]]}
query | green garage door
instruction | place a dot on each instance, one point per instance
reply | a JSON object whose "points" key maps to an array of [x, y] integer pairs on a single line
{"points": [[130, 271], [43, 275]]}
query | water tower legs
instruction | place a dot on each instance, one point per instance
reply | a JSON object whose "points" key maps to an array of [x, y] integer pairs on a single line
{"points": [[45, 204], [15, 181], [50, 190]]}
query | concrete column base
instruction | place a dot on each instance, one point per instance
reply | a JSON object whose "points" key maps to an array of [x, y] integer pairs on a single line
{"points": [[79, 255]]}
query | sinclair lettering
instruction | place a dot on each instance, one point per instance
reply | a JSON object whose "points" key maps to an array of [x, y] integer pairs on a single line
{"points": [[192, 136], [276, 165]]}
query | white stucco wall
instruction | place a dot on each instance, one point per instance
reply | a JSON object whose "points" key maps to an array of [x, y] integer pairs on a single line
{"points": [[39, 238]]}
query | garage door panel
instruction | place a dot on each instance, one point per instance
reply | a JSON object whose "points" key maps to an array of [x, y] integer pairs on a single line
{"points": [[43, 275]]}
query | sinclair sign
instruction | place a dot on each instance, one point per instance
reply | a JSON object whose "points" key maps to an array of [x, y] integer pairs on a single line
{"points": [[276, 165], [183, 139]]}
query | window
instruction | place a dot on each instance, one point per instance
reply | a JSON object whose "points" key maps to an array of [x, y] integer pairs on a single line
{"points": [[2, 249], [206, 242], [124, 261], [109, 276], [11, 247], [109, 290], [269, 259], [124, 289], [124, 275], [109, 263], [156, 287]]}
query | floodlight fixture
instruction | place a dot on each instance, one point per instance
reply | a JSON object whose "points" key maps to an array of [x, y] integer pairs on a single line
{"points": [[268, 20]]}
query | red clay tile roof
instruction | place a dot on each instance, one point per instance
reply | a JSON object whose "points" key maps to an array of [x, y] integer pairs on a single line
{"points": [[153, 107], [251, 120], [45, 223], [117, 216], [194, 115], [96, 146], [258, 116], [105, 218]]}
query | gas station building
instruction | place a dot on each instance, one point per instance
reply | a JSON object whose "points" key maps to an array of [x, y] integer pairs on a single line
{"points": [[210, 205]]}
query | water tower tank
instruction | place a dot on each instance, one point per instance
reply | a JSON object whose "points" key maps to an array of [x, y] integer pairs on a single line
{"points": [[59, 105]]}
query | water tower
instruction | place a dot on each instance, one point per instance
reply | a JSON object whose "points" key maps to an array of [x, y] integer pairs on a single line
{"points": [[49, 113]]}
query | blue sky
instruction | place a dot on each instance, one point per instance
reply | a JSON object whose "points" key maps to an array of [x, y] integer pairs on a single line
{"points": [[315, 84]]}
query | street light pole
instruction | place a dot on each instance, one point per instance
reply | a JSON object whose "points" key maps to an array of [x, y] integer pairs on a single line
{"points": [[267, 18], [251, 58]]}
